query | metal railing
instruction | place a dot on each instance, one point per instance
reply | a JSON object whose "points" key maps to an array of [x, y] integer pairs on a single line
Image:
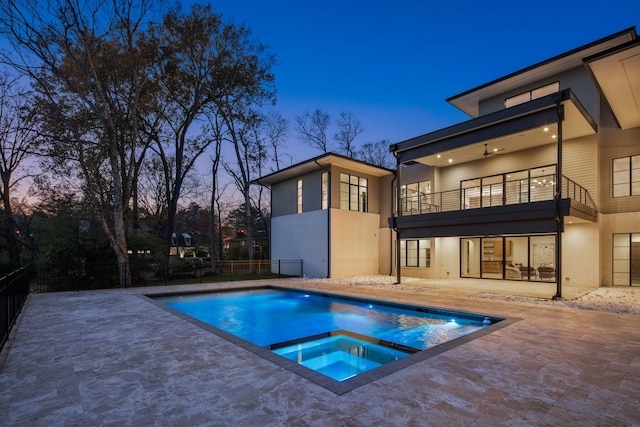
{"points": [[259, 268], [87, 276], [572, 190], [508, 192], [14, 290]]}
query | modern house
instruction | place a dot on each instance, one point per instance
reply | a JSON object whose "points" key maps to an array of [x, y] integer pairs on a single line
{"points": [[541, 184]]}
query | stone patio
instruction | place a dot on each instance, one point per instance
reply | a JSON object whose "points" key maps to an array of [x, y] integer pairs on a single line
{"points": [[114, 358]]}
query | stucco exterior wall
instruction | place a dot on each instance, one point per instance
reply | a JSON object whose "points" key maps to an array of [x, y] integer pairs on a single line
{"points": [[386, 261], [447, 258], [580, 255], [354, 243], [302, 236]]}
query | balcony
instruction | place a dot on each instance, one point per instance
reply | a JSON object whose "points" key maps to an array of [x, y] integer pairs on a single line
{"points": [[514, 202], [497, 194]]}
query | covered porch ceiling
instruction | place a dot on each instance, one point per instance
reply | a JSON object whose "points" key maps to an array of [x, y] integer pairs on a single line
{"points": [[575, 125]]}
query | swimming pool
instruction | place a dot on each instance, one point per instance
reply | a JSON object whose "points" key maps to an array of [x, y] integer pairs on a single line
{"points": [[340, 337]]}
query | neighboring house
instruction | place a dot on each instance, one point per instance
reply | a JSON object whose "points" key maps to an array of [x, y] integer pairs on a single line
{"points": [[182, 244], [541, 184], [238, 238]]}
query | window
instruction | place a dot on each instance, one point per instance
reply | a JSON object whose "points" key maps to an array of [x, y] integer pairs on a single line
{"points": [[415, 253], [325, 190], [626, 176], [416, 198], [353, 193], [626, 259], [299, 207], [532, 94]]}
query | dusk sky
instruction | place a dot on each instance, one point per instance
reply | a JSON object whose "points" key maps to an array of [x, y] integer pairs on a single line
{"points": [[393, 64]]}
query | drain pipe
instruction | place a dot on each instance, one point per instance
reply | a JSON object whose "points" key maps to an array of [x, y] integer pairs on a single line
{"points": [[393, 226], [396, 199]]}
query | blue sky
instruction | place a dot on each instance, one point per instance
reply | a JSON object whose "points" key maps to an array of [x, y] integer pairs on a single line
{"points": [[393, 64]]}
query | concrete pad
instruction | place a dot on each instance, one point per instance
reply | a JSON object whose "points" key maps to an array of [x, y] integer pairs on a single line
{"points": [[111, 357]]}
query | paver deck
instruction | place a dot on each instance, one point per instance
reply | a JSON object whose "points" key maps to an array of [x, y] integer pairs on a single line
{"points": [[113, 358]]}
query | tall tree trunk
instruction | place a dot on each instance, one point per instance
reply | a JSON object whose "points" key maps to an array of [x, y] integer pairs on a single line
{"points": [[8, 226]]}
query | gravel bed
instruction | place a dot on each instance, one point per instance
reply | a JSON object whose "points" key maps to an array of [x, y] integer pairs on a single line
{"points": [[609, 299]]}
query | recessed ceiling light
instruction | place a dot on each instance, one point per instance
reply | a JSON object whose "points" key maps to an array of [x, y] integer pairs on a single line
{"points": [[450, 160], [546, 129], [553, 136], [439, 156]]}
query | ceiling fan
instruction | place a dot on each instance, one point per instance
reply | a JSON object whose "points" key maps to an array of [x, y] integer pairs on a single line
{"points": [[493, 152]]}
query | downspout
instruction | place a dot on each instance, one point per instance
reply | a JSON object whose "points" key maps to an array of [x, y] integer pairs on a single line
{"points": [[393, 223], [398, 178], [328, 214], [558, 197]]}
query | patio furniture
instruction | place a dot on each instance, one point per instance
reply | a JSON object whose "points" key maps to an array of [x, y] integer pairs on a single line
{"points": [[527, 272], [546, 272]]}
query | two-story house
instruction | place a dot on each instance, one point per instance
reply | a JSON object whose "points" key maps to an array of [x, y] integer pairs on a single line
{"points": [[542, 184]]}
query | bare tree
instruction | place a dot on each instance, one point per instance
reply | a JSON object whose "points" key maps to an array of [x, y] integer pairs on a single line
{"points": [[275, 130], [249, 154], [217, 190], [312, 129], [201, 60], [151, 194], [376, 153], [16, 140], [349, 128], [84, 60]]}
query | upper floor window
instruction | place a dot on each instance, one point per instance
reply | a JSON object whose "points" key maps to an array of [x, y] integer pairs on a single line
{"points": [[353, 193], [325, 190], [626, 176], [416, 197], [299, 199], [532, 94]]}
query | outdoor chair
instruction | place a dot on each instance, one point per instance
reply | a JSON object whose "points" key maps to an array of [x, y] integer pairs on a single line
{"points": [[546, 272], [527, 272]]}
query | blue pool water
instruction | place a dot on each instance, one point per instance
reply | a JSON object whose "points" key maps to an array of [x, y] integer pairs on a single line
{"points": [[270, 317], [340, 357]]}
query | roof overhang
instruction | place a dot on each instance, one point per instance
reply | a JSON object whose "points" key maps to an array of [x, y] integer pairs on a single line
{"points": [[617, 74], [469, 101], [509, 130], [324, 161]]}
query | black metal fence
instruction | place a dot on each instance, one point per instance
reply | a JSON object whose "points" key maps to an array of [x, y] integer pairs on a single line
{"points": [[178, 271], [14, 290]]}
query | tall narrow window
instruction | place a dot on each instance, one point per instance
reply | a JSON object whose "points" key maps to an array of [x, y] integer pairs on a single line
{"points": [[353, 193], [299, 208], [626, 176], [325, 190], [626, 259]]}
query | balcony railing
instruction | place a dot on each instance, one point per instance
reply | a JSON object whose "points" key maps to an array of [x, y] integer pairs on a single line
{"points": [[508, 192]]}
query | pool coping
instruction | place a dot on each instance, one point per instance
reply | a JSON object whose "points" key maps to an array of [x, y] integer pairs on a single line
{"points": [[336, 387]]}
